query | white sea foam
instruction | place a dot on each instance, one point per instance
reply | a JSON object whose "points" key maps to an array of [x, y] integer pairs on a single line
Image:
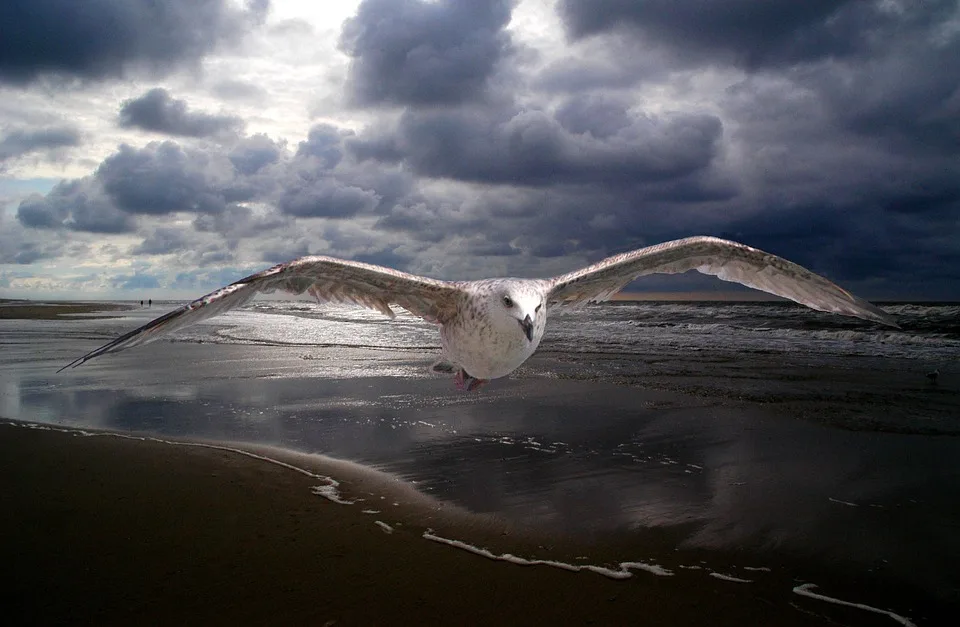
{"points": [[833, 500], [730, 578], [623, 572], [329, 491], [653, 569], [806, 590], [695, 326]]}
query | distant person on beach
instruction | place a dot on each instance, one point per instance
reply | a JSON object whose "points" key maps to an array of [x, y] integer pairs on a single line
{"points": [[149, 303], [141, 303]]}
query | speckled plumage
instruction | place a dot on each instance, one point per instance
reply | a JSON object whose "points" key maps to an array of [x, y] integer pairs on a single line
{"points": [[488, 328], [484, 339]]}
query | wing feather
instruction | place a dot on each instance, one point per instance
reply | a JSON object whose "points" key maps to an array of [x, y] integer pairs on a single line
{"points": [[327, 279], [729, 261]]}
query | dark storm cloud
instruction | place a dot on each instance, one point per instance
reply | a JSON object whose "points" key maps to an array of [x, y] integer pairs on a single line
{"points": [[106, 38], [324, 142], [893, 254], [209, 180], [388, 257], [852, 200], [162, 178], [78, 205], [840, 143], [162, 241], [252, 154], [23, 253], [909, 97], [323, 196], [237, 222], [27, 253], [191, 248], [417, 52], [483, 247], [17, 247], [600, 115], [425, 222], [531, 147], [157, 179], [18, 142], [319, 182], [603, 65], [377, 143], [158, 112], [284, 252], [752, 33]]}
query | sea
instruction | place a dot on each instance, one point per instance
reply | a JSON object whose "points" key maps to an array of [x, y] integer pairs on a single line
{"points": [[734, 428]]}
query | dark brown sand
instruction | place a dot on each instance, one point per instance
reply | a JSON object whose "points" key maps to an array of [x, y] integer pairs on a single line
{"points": [[30, 310], [111, 531]]}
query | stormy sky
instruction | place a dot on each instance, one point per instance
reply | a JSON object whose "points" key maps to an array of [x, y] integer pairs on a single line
{"points": [[164, 148]]}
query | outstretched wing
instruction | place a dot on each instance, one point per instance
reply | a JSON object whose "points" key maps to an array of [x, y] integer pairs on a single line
{"points": [[325, 278], [726, 260]]}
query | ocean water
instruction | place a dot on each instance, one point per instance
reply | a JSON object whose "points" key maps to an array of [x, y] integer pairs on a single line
{"points": [[831, 369], [929, 332], [735, 426]]}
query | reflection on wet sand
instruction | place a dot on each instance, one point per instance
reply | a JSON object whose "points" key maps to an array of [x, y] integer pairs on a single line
{"points": [[586, 447]]}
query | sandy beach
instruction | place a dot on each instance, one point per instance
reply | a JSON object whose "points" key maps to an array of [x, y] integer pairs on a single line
{"points": [[110, 531], [201, 481]]}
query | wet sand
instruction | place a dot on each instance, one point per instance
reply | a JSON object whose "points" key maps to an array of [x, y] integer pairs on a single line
{"points": [[32, 310], [107, 530], [720, 472]]}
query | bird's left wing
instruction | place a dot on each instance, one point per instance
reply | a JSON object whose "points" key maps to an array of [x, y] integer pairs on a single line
{"points": [[724, 259], [325, 278]]}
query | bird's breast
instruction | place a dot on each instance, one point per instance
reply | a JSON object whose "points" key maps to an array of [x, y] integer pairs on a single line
{"points": [[485, 352]]}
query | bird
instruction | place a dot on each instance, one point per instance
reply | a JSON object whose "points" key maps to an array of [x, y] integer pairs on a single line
{"points": [[489, 327], [933, 376]]}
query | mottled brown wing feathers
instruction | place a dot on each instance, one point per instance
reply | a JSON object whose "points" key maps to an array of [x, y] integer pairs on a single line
{"points": [[325, 278], [726, 260]]}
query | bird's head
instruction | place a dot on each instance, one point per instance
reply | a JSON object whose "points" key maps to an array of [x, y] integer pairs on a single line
{"points": [[519, 305]]}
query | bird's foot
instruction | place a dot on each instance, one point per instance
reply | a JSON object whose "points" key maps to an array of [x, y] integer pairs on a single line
{"points": [[467, 382], [476, 384]]}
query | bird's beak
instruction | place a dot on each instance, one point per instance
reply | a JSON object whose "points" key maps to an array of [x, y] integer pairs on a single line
{"points": [[527, 325]]}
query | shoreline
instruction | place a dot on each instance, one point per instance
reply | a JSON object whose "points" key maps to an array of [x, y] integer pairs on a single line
{"points": [[130, 528]]}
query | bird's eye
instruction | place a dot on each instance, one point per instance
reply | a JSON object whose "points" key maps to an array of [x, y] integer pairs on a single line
{"points": [[507, 302], [537, 310]]}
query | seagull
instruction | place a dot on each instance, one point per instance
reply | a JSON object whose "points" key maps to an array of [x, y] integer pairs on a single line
{"points": [[488, 328], [933, 376]]}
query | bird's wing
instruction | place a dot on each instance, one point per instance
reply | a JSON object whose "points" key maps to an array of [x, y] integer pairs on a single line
{"points": [[726, 260], [325, 278]]}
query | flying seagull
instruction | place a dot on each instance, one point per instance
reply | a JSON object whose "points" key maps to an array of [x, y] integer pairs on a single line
{"points": [[489, 327]]}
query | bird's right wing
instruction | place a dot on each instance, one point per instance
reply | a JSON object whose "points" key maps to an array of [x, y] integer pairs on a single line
{"points": [[724, 259], [325, 278]]}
